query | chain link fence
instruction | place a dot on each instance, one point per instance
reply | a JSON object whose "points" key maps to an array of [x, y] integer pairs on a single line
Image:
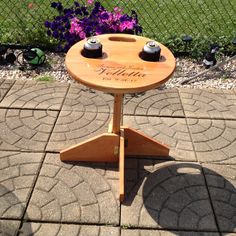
{"points": [[22, 21]]}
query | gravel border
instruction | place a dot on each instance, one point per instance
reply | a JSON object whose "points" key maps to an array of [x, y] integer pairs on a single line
{"points": [[222, 77]]}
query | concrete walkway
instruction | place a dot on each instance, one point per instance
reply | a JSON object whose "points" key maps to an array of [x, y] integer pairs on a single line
{"points": [[191, 193]]}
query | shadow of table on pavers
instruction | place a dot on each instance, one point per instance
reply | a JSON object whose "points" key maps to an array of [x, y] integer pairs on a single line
{"points": [[179, 196], [11, 205], [18, 172], [73, 192], [12, 211]]}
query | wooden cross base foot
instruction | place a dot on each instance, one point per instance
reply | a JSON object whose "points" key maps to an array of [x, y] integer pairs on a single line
{"points": [[111, 147]]}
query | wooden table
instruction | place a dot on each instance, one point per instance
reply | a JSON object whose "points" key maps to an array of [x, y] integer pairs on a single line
{"points": [[119, 71]]}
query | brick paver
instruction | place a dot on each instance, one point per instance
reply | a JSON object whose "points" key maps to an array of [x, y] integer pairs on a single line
{"points": [[35, 95], [73, 127], [193, 195], [154, 103], [171, 131], [5, 85], [214, 140], [66, 229], [74, 193], [18, 173], [228, 234], [171, 196], [229, 95], [9, 227], [221, 181], [143, 232], [80, 98], [25, 129], [199, 103]]}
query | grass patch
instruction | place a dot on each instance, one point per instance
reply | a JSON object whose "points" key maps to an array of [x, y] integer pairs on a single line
{"points": [[47, 78]]}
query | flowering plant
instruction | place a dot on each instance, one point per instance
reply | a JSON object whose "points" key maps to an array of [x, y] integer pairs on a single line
{"points": [[80, 21]]}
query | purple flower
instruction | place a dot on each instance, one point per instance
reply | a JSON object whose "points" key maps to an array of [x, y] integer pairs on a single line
{"points": [[53, 25], [94, 12], [138, 29], [67, 36], [101, 30], [76, 4], [47, 24], [59, 6], [49, 33], [84, 21], [64, 19], [67, 25], [78, 11], [79, 21], [88, 29], [104, 16], [125, 18], [68, 11], [61, 28], [58, 18], [84, 10], [54, 4], [55, 34], [97, 4]]}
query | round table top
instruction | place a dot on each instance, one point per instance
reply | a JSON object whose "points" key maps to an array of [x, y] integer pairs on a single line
{"points": [[120, 69]]}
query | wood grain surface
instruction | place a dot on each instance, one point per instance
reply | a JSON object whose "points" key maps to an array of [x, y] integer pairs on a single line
{"points": [[120, 69]]}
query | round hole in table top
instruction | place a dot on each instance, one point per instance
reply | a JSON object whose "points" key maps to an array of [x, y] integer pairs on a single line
{"points": [[120, 69]]}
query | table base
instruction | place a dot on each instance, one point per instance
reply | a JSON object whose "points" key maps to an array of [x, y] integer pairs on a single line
{"points": [[112, 147]]}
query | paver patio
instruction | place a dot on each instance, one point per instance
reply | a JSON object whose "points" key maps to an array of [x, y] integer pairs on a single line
{"points": [[193, 192]]}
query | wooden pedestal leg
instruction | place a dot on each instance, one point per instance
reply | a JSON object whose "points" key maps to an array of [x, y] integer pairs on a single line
{"points": [[118, 98], [114, 127], [102, 148], [110, 126], [122, 166], [138, 144]]}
